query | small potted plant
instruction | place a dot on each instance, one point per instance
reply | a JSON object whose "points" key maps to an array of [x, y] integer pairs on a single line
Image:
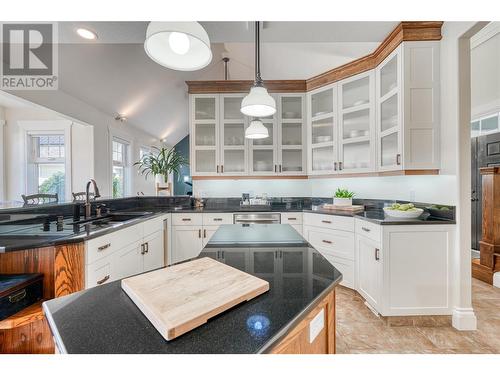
{"points": [[161, 163], [343, 197]]}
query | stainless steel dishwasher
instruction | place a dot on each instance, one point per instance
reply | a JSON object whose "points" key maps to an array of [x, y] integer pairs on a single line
{"points": [[257, 218]]}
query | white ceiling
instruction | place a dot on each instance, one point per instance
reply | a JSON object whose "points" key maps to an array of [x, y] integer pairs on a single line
{"points": [[114, 74]]}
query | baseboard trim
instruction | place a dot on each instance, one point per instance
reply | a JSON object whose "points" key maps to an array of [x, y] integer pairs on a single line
{"points": [[496, 279], [464, 319]]}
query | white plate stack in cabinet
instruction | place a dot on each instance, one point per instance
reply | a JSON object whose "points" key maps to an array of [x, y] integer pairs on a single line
{"points": [[408, 110]]}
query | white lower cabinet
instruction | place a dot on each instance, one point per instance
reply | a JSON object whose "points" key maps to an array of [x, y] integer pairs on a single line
{"points": [[187, 242], [130, 251], [208, 232], [408, 271], [369, 270]]}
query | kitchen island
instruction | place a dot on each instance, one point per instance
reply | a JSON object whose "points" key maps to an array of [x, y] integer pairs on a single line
{"points": [[296, 315]]}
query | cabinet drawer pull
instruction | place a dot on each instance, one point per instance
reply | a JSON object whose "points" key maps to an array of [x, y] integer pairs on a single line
{"points": [[275, 168], [280, 168], [365, 229], [142, 249], [398, 159], [186, 219], [292, 218], [217, 219], [221, 169], [328, 242], [217, 169], [199, 233], [103, 280], [18, 296], [377, 254], [326, 221], [340, 166], [146, 245], [335, 166], [103, 247], [204, 233]]}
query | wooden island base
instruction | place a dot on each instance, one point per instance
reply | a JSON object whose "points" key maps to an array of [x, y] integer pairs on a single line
{"points": [[297, 341]]}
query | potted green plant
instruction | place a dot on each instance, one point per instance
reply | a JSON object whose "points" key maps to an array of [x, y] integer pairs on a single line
{"points": [[160, 163], [343, 197]]}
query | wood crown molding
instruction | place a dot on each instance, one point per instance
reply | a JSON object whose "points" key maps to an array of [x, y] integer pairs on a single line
{"points": [[404, 31]]}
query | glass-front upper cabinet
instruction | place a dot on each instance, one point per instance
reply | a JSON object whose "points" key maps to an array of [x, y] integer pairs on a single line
{"points": [[322, 130], [263, 154], [389, 119], [233, 151], [292, 135], [356, 97], [204, 134]]}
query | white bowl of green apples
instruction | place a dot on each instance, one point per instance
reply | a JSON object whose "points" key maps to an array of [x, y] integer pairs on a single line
{"points": [[403, 211]]}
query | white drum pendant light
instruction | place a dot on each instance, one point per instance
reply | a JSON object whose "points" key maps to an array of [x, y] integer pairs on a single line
{"points": [[256, 130], [178, 45], [258, 103]]}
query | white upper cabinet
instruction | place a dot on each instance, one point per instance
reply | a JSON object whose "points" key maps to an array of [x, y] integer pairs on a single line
{"points": [[356, 112], [322, 130], [204, 136], [407, 91], [291, 134], [264, 152], [233, 145]]}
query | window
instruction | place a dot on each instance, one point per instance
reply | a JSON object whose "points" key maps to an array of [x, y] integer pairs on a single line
{"points": [[485, 125], [46, 164], [120, 167]]}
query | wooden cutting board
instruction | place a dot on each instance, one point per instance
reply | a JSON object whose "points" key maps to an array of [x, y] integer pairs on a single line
{"points": [[180, 298], [352, 208]]}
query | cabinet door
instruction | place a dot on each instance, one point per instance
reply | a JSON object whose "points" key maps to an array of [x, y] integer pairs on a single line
{"points": [[322, 131], [187, 243], [204, 119], [128, 261], [389, 118], [291, 134], [208, 232], [237, 258], [369, 272], [154, 253], [233, 145], [263, 152], [357, 123]]}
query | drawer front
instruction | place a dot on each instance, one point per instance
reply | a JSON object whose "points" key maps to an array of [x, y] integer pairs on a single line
{"points": [[99, 273], [153, 225], [103, 246], [329, 221], [186, 219], [292, 218], [346, 268], [217, 218], [333, 242], [368, 230]]}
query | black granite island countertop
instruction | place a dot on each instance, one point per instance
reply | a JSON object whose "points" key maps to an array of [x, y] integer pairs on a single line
{"points": [[105, 320]]}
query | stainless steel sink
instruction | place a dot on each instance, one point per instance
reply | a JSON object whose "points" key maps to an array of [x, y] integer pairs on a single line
{"points": [[115, 217]]}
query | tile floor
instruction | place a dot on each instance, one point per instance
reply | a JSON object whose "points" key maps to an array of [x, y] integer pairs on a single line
{"points": [[360, 331]]}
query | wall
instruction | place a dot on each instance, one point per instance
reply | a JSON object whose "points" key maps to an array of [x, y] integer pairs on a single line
{"points": [[104, 126], [15, 148], [485, 71], [432, 189]]}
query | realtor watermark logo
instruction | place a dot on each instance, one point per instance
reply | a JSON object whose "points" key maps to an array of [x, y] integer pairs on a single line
{"points": [[29, 56]]}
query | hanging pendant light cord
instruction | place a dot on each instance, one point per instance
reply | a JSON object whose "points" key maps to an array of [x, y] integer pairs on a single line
{"points": [[258, 79]]}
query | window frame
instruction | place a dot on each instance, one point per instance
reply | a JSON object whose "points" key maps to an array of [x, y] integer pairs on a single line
{"points": [[46, 127], [480, 120], [125, 164]]}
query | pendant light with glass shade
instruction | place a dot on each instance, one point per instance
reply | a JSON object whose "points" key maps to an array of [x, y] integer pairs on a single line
{"points": [[181, 46], [258, 103]]}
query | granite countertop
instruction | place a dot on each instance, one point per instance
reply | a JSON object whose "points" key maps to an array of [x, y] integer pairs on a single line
{"points": [[105, 320], [23, 230]]}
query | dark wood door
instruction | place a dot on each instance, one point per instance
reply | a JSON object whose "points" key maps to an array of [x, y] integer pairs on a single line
{"points": [[485, 153]]}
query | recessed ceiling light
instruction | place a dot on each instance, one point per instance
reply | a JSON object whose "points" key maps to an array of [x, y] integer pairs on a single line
{"points": [[86, 33]]}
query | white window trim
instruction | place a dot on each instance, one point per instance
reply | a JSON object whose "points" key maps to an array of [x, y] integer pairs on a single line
{"points": [[47, 127], [114, 135], [480, 119]]}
